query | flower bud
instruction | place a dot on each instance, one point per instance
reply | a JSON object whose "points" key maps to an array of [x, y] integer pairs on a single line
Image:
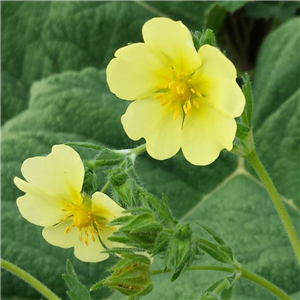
{"points": [[131, 276]]}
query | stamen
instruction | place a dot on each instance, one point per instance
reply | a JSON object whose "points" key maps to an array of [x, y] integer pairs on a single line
{"points": [[196, 104], [176, 114], [86, 241], [189, 104], [163, 101], [179, 94], [65, 217], [68, 229], [185, 109]]}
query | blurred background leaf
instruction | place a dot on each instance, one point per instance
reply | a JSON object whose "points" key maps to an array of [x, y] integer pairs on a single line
{"points": [[54, 90]]}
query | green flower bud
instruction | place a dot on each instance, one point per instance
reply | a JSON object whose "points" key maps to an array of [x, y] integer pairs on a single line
{"points": [[90, 182], [118, 177], [182, 250], [131, 276]]}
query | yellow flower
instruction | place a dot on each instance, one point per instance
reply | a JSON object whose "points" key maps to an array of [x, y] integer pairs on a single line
{"points": [[54, 200], [184, 98]]}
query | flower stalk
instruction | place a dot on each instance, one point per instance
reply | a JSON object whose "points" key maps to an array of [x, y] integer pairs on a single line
{"points": [[36, 284], [277, 202], [262, 282]]}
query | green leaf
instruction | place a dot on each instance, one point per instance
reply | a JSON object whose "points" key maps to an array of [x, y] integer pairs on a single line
{"points": [[240, 209], [76, 291], [59, 43], [41, 39], [276, 108], [216, 14]]}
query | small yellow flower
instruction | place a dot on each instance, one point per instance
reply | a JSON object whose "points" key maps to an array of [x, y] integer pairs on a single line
{"points": [[184, 98], [54, 200]]}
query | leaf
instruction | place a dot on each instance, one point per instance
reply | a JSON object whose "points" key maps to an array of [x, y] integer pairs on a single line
{"points": [[276, 108], [216, 14], [240, 209], [71, 102], [76, 291], [41, 39]]}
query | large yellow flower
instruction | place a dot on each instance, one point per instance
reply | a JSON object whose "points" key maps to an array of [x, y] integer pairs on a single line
{"points": [[184, 98], [54, 200]]}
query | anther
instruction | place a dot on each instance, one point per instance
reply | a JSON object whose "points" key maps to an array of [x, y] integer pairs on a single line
{"points": [[86, 241], [67, 230], [196, 104], [185, 109]]}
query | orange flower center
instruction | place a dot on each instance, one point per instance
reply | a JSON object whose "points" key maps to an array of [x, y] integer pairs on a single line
{"points": [[84, 220], [178, 94], [81, 217]]}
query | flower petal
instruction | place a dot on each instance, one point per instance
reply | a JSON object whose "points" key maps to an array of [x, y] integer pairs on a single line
{"points": [[216, 80], [38, 207], [174, 40], [59, 174], [55, 235], [105, 207], [108, 232], [136, 71], [91, 253], [147, 118], [205, 133]]}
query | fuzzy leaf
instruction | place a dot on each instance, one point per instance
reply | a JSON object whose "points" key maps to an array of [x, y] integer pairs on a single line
{"points": [[59, 43], [76, 291]]}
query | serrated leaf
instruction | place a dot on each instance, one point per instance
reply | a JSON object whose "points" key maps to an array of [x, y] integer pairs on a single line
{"points": [[214, 234], [76, 291]]}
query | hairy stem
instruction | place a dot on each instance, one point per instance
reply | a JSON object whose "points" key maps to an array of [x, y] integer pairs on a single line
{"points": [[278, 204], [270, 287], [262, 282], [36, 284]]}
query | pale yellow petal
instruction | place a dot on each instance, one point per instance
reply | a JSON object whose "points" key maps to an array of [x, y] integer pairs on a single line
{"points": [[55, 235], [216, 81], [174, 40], [59, 174], [136, 71], [148, 119], [108, 232], [104, 207], [93, 252], [205, 133], [38, 207]]}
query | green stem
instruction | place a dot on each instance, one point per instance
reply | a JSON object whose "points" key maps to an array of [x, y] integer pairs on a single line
{"points": [[270, 287], [134, 154], [281, 210], [139, 150], [223, 285], [41, 288], [197, 268], [105, 187], [262, 282]]}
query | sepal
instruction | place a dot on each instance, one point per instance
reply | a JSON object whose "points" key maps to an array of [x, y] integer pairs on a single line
{"points": [[130, 276], [204, 37]]}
